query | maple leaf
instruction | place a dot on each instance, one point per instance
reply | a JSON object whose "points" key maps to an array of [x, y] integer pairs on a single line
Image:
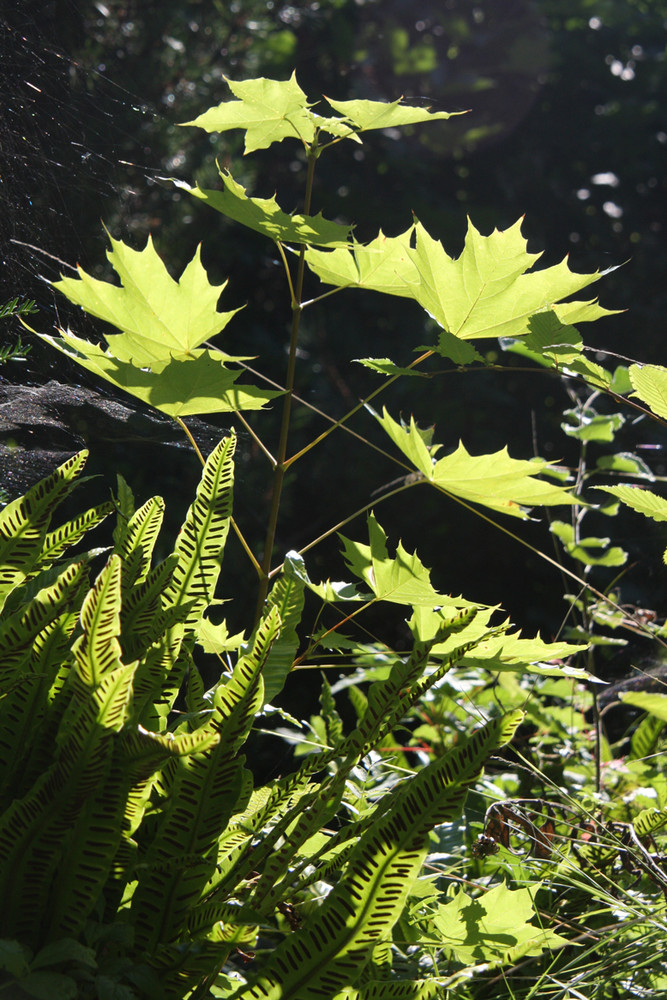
{"points": [[383, 265], [268, 110], [486, 292], [367, 115], [496, 481], [197, 384], [158, 316], [401, 580], [490, 290], [265, 216], [156, 357], [494, 648]]}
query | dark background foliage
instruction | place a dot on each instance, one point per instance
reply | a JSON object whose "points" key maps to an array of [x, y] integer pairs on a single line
{"points": [[565, 126]]}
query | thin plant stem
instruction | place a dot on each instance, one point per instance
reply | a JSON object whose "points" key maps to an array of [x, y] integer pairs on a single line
{"points": [[329, 418], [341, 524], [355, 409], [296, 292], [256, 438]]}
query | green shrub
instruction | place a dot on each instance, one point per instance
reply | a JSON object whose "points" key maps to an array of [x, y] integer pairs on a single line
{"points": [[139, 856]]}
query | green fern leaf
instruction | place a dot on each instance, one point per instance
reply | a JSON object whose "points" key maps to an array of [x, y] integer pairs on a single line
{"points": [[97, 651], [58, 541], [24, 523], [143, 620], [287, 596], [19, 632], [202, 538], [206, 790], [646, 737], [138, 541], [401, 989], [175, 871], [33, 829], [237, 701]]}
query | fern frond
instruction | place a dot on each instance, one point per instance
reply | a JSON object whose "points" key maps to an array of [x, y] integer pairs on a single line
{"points": [[97, 651], [202, 538], [287, 596], [60, 539], [24, 523], [137, 542]]}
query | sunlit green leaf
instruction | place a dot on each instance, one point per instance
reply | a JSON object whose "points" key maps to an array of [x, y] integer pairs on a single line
{"points": [[591, 426], [643, 501], [399, 580], [591, 551], [655, 704], [383, 265], [486, 292], [178, 387], [650, 385], [624, 461], [158, 317], [493, 927], [216, 638], [457, 350], [385, 366], [265, 216], [494, 648], [268, 111], [496, 481], [368, 115]]}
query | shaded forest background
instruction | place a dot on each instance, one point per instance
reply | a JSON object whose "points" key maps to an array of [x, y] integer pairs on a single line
{"points": [[566, 126]]}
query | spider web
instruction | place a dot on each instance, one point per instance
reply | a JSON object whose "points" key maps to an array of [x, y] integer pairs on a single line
{"points": [[62, 140], [64, 136]]}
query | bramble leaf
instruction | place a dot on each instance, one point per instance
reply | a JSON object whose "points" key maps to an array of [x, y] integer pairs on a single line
{"points": [[268, 110], [265, 216], [158, 317], [591, 551], [643, 501], [650, 385]]}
